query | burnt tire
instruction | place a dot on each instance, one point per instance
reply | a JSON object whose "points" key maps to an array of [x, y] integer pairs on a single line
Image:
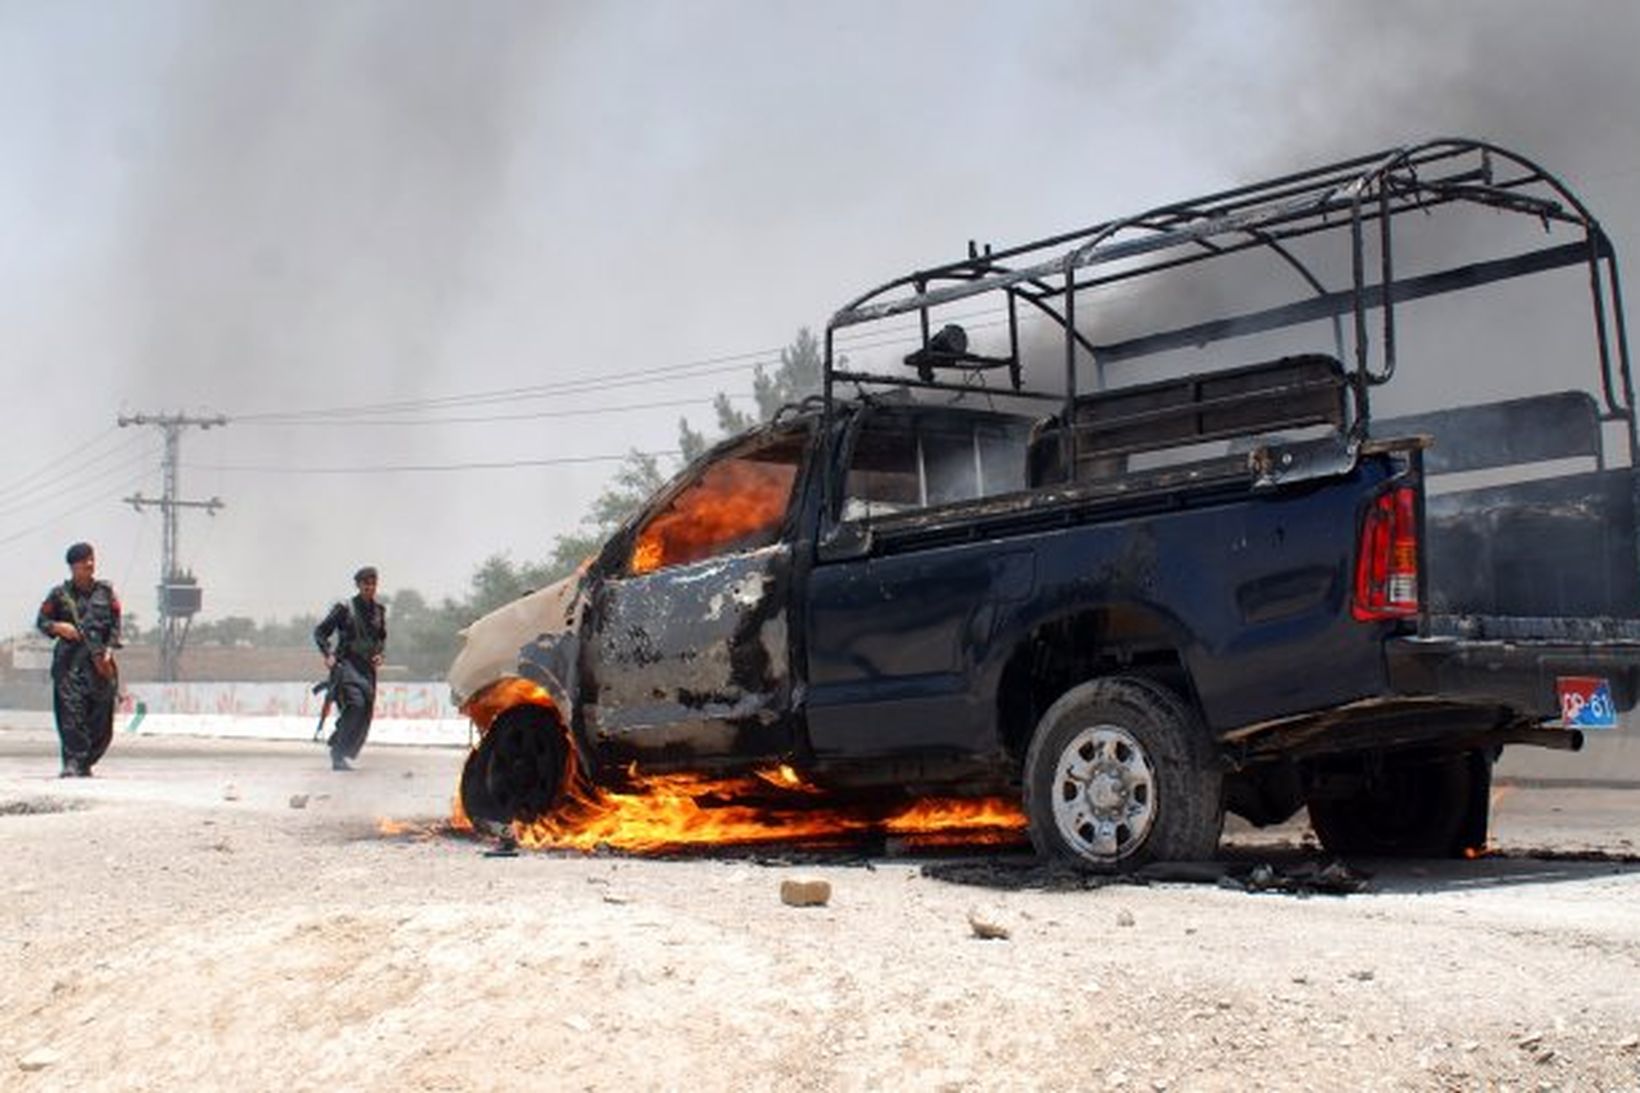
{"points": [[518, 770], [1120, 772], [1415, 806]]}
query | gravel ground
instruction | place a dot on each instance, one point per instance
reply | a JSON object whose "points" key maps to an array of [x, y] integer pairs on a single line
{"points": [[175, 923]]}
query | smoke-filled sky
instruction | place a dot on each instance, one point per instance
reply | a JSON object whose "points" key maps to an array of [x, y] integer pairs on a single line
{"points": [[277, 210]]}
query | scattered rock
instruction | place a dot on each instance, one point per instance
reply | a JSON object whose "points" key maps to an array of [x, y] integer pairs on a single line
{"points": [[611, 897], [1529, 1041], [1365, 975], [1334, 879], [38, 1059], [578, 1023], [987, 930], [408, 774], [298, 800], [1124, 917], [230, 792], [805, 892], [1628, 1043]]}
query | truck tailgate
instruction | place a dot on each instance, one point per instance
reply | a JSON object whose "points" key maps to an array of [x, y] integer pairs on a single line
{"points": [[1554, 672]]}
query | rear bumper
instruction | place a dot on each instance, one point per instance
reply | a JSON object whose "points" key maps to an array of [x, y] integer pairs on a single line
{"points": [[1517, 674]]}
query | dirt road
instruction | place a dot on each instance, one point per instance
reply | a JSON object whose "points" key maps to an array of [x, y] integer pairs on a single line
{"points": [[176, 924]]}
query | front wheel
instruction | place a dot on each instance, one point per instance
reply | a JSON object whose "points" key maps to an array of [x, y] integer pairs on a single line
{"points": [[1120, 773], [518, 771]]}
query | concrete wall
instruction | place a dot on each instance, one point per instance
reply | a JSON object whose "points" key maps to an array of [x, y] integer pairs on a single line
{"points": [[406, 713]]}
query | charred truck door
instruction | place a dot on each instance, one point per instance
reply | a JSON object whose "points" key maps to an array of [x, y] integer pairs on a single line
{"points": [[687, 653], [903, 602]]}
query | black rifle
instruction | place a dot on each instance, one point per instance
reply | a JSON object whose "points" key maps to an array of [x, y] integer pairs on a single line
{"points": [[329, 687]]}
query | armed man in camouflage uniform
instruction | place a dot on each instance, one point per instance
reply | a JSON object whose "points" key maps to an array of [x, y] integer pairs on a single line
{"points": [[360, 627], [83, 614]]}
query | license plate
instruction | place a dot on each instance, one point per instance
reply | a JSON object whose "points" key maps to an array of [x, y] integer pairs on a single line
{"points": [[1586, 702]]}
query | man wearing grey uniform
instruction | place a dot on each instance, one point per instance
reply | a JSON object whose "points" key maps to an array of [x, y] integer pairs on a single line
{"points": [[83, 614], [360, 630]]}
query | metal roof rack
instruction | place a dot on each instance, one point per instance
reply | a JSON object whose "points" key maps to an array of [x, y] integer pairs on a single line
{"points": [[1368, 192]]}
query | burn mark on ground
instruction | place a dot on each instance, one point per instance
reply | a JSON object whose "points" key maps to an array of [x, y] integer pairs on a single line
{"points": [[1301, 878], [40, 806]]}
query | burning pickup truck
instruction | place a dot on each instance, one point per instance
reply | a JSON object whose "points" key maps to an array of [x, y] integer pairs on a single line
{"points": [[1130, 591]]}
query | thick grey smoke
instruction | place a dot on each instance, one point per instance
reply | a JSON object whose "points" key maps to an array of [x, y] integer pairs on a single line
{"points": [[266, 207], [1337, 79], [317, 210], [322, 177]]}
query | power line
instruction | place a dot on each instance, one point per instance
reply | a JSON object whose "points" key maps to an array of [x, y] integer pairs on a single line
{"points": [[65, 468], [583, 411], [361, 413], [24, 501], [9, 486], [689, 370], [54, 518], [417, 468]]}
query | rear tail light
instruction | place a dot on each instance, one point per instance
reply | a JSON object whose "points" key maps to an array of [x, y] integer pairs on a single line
{"points": [[1386, 570]]}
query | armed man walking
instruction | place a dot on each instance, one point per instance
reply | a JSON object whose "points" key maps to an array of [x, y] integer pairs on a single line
{"points": [[83, 614], [360, 629]]}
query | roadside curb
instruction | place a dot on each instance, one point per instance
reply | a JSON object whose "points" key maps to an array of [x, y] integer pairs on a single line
{"points": [[138, 716]]}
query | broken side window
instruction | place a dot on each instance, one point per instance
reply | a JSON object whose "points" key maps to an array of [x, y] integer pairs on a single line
{"points": [[736, 503]]}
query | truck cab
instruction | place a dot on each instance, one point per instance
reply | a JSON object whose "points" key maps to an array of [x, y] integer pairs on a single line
{"points": [[1129, 587]]}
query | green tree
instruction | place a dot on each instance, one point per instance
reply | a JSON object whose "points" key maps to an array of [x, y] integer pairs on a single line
{"points": [[637, 480], [796, 377], [231, 630], [421, 637], [295, 631], [498, 580]]}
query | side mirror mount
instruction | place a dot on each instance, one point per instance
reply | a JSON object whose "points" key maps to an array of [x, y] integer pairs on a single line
{"points": [[849, 539]]}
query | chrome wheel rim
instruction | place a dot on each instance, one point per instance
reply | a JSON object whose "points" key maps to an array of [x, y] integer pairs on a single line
{"points": [[1104, 795]]}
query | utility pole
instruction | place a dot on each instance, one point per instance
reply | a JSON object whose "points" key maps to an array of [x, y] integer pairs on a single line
{"points": [[180, 595]]}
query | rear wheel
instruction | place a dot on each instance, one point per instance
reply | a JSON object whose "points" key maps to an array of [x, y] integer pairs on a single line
{"points": [[1412, 806], [517, 772], [1120, 773]]}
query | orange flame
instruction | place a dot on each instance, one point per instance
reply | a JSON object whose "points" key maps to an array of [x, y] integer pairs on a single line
{"points": [[677, 811], [459, 820], [390, 828], [494, 700], [733, 500], [939, 820]]}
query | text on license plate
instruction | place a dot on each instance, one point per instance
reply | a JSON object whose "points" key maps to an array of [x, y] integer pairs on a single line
{"points": [[1586, 702]]}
